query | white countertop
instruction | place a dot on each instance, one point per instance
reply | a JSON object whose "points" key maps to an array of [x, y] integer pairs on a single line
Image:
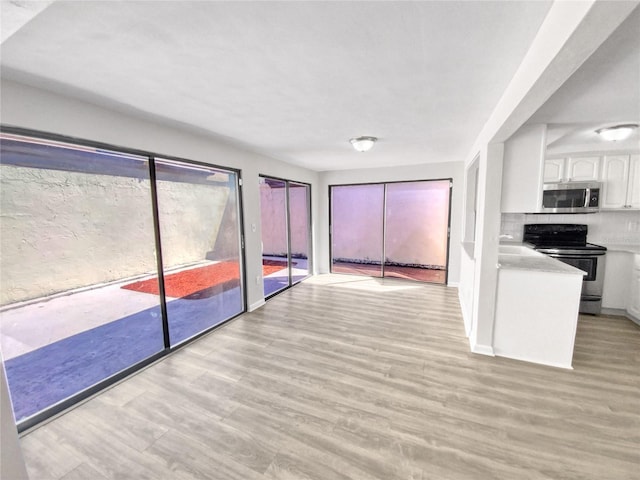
{"points": [[542, 263], [535, 261], [622, 247]]}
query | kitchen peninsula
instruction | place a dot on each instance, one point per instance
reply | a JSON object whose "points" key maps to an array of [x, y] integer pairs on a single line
{"points": [[537, 304]]}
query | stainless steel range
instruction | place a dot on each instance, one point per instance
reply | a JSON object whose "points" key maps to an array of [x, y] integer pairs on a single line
{"points": [[568, 243]]}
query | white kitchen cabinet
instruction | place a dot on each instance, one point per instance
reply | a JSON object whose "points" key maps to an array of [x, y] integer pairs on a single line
{"points": [[572, 169], [554, 170], [536, 310], [621, 292], [621, 182], [617, 280], [583, 169]]}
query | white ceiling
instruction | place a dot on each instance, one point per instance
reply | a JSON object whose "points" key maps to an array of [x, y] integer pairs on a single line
{"points": [[293, 80], [604, 91], [17, 13]]}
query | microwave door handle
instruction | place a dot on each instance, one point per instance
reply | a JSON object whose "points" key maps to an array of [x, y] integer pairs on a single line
{"points": [[587, 197]]}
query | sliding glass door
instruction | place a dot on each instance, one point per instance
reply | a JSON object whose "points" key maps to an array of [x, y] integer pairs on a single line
{"points": [[199, 233], [404, 223], [357, 229], [275, 235], [285, 226], [108, 260], [416, 230], [77, 228], [300, 227]]}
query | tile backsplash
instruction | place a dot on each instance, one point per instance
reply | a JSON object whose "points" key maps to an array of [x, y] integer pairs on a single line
{"points": [[615, 227]]}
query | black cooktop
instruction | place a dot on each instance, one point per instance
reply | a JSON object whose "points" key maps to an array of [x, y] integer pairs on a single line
{"points": [[573, 246], [562, 236]]}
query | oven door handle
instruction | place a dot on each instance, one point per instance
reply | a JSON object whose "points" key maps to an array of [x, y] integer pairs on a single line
{"points": [[575, 255]]}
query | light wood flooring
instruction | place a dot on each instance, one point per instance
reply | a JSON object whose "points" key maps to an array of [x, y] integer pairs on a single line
{"points": [[351, 378]]}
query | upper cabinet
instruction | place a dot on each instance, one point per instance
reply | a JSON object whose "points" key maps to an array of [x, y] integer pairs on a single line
{"points": [[572, 169], [554, 170], [621, 182], [525, 170], [583, 169]]}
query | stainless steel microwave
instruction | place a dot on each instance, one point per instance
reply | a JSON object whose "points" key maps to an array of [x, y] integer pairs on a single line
{"points": [[571, 197]]}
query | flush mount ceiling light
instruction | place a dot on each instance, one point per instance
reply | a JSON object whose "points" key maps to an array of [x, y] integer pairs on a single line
{"points": [[363, 144], [618, 132]]}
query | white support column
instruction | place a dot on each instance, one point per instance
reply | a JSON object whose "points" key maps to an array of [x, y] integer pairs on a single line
{"points": [[487, 232]]}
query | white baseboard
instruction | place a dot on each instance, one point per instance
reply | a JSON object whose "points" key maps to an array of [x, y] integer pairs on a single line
{"points": [[483, 350], [621, 313], [566, 366], [256, 305], [453, 284]]}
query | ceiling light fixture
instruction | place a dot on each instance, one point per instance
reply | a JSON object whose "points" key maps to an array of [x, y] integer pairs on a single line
{"points": [[363, 144], [618, 132]]}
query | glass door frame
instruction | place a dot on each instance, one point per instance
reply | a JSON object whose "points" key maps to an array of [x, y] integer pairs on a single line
{"points": [[309, 230], [288, 225], [63, 405], [160, 258], [384, 222]]}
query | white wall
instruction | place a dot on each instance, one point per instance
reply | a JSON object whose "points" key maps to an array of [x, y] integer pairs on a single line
{"points": [[427, 171], [27, 107], [11, 461], [466, 285]]}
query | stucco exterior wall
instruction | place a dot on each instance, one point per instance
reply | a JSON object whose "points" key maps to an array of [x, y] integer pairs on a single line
{"points": [[298, 206], [416, 223], [65, 230], [190, 220], [415, 215], [273, 221], [357, 214]]}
